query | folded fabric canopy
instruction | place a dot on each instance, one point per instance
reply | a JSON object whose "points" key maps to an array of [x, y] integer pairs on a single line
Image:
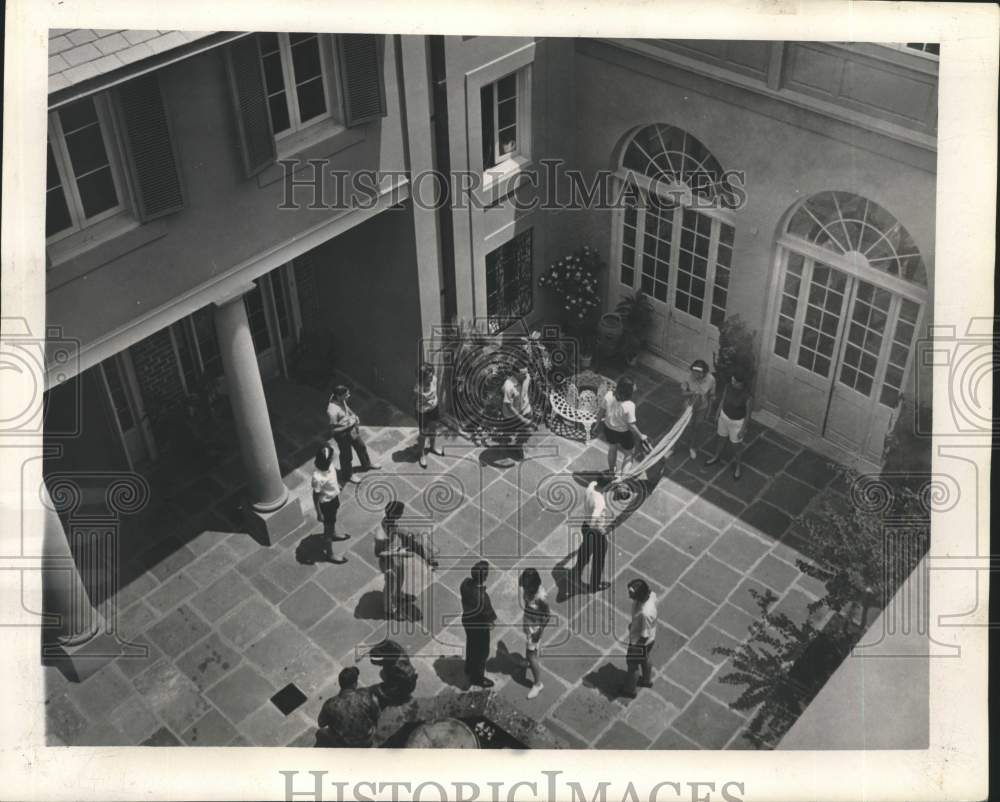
{"points": [[659, 451]]}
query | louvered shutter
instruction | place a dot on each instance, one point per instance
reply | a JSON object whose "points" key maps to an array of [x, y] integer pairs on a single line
{"points": [[152, 163], [253, 118], [361, 78]]}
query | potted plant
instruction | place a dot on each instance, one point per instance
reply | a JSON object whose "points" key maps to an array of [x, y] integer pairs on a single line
{"points": [[574, 284], [737, 352], [636, 313]]}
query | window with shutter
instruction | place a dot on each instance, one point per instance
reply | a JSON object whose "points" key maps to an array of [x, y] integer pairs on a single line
{"points": [[250, 98], [156, 180], [83, 184], [361, 75], [110, 165], [285, 94]]}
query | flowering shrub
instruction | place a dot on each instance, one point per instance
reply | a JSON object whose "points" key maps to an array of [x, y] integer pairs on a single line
{"points": [[575, 283]]}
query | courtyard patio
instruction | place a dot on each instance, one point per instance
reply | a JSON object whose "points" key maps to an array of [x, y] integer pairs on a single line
{"points": [[229, 622]]}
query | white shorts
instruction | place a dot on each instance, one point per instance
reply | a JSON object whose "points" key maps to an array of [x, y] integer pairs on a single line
{"points": [[733, 429]]}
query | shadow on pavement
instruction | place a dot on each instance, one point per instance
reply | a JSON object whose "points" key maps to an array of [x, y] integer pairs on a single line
{"points": [[608, 680]]}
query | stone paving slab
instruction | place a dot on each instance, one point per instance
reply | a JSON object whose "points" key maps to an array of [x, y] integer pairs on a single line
{"points": [[228, 622]]}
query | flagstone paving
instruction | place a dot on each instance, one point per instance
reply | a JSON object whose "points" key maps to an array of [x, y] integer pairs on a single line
{"points": [[228, 622]]}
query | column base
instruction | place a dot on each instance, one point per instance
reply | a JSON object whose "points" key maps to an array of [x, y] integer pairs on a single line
{"points": [[79, 661], [270, 527]]}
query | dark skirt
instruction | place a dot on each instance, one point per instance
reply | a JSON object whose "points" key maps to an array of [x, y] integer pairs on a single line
{"points": [[426, 420]]}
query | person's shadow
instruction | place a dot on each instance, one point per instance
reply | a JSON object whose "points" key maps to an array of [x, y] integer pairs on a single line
{"points": [[451, 671], [609, 680], [371, 607], [409, 454], [512, 664], [567, 579], [312, 549]]}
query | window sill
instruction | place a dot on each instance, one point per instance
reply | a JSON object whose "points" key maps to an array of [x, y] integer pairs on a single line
{"points": [[502, 179], [324, 142], [112, 242]]}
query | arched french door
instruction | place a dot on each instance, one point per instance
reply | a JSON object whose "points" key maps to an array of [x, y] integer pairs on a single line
{"points": [[849, 303], [673, 239]]}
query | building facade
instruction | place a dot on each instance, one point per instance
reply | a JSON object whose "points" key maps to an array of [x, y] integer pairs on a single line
{"points": [[199, 228]]}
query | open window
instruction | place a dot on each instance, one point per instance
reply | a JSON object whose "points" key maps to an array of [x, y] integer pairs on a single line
{"points": [[505, 118]]}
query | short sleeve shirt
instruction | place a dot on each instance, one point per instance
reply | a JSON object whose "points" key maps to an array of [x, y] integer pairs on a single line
{"points": [[618, 414], [702, 390], [643, 624], [536, 614], [594, 505], [427, 397], [338, 414], [515, 397], [352, 715], [325, 486]]}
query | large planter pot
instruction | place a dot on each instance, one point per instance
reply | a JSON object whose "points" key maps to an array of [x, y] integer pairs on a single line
{"points": [[609, 332]]}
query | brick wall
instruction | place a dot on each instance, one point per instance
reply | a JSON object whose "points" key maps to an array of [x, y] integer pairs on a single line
{"points": [[157, 371]]}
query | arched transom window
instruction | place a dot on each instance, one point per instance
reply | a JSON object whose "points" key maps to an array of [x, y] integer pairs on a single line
{"points": [[853, 226], [675, 239], [667, 154]]}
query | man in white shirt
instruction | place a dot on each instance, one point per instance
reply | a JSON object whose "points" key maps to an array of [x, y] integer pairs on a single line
{"points": [[641, 637], [594, 547], [345, 432], [517, 406]]}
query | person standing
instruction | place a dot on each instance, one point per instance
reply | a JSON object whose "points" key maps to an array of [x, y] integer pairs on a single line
{"points": [[536, 617], [641, 636], [391, 554], [617, 413], [594, 547], [345, 430], [411, 541], [349, 719], [478, 618], [517, 406], [734, 416], [326, 500], [698, 391], [428, 412], [539, 366]]}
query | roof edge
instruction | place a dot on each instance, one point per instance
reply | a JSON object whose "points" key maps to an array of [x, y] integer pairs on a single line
{"points": [[109, 79]]}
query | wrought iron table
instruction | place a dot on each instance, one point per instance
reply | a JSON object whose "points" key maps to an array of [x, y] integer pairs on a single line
{"points": [[576, 401]]}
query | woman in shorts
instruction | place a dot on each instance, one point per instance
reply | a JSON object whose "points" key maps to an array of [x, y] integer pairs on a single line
{"points": [[617, 413], [536, 616]]}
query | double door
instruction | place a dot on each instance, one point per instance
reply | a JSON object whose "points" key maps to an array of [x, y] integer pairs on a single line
{"points": [[681, 259], [840, 352]]}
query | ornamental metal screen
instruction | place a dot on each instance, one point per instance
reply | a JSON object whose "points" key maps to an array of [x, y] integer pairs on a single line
{"points": [[509, 282]]}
